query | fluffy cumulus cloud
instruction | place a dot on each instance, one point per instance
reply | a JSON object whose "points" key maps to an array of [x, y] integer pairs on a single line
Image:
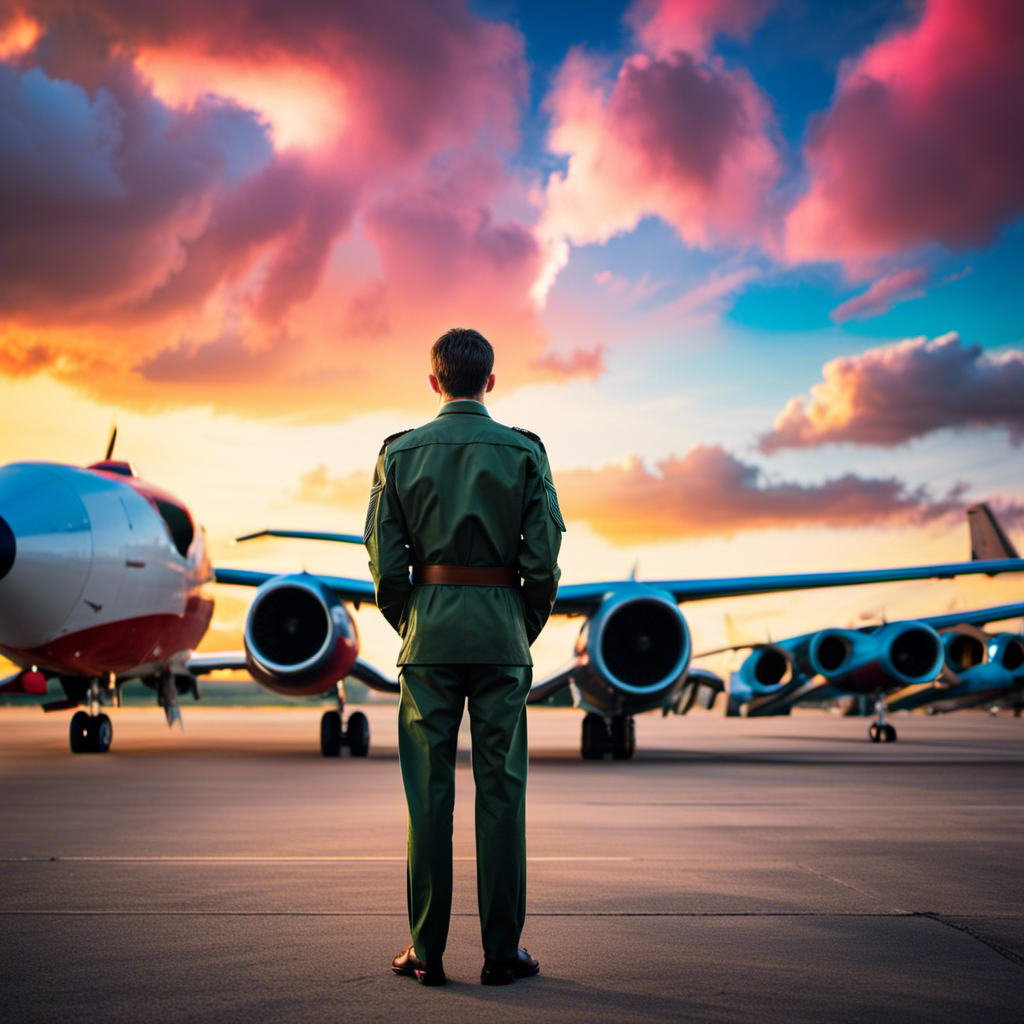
{"points": [[674, 134], [922, 143], [882, 295], [709, 492], [161, 179], [664, 26], [894, 393]]}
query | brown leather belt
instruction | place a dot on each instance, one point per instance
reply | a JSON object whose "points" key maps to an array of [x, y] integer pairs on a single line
{"points": [[466, 575]]}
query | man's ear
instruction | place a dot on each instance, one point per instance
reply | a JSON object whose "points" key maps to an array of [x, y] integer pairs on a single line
{"points": [[490, 384], [434, 386]]}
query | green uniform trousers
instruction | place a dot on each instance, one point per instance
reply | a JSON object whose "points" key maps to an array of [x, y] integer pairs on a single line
{"points": [[433, 697]]}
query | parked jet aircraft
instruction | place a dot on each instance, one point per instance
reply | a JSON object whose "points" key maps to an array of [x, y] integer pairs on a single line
{"points": [[633, 652], [103, 577], [941, 661]]}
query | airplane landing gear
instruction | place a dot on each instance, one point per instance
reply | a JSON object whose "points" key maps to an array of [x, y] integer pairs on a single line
{"points": [[333, 736], [600, 737], [90, 733], [623, 737], [881, 731], [595, 737]]}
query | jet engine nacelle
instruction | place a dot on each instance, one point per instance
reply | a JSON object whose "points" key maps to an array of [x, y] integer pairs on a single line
{"points": [[299, 639], [1007, 649], [964, 647], [634, 653], [997, 676], [897, 654]]}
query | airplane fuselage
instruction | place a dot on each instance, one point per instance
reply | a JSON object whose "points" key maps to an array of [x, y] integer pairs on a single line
{"points": [[109, 575]]}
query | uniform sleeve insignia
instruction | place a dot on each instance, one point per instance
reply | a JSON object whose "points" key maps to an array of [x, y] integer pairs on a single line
{"points": [[391, 437], [531, 435]]}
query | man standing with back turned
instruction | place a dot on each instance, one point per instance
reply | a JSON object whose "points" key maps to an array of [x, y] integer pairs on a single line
{"points": [[470, 505]]}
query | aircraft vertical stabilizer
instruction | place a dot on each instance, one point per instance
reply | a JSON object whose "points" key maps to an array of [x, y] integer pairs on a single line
{"points": [[988, 540]]}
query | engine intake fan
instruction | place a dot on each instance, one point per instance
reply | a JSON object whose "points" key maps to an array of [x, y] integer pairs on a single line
{"points": [[299, 639]]}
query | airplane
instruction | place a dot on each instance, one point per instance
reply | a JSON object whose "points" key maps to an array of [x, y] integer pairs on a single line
{"points": [[105, 577], [633, 652], [940, 662]]}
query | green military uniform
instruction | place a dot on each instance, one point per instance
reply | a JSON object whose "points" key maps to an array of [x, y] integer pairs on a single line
{"points": [[463, 490]]}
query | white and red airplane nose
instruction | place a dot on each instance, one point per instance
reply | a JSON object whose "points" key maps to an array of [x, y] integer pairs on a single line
{"points": [[45, 553]]}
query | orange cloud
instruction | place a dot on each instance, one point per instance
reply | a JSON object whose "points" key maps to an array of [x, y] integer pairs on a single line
{"points": [[709, 492], [188, 248], [889, 395], [321, 487], [922, 143]]}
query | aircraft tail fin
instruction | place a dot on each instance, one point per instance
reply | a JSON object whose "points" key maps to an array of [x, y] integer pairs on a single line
{"points": [[988, 539]]}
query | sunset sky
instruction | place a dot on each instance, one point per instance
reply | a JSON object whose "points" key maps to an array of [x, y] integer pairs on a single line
{"points": [[752, 269]]}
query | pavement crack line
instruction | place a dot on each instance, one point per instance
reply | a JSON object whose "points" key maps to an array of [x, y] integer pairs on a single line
{"points": [[462, 913], [1007, 954], [854, 888]]}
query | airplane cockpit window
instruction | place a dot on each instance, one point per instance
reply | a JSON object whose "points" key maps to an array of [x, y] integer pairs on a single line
{"points": [[178, 523]]}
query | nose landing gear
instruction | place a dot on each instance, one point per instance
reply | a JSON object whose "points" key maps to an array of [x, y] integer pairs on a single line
{"points": [[90, 734]]}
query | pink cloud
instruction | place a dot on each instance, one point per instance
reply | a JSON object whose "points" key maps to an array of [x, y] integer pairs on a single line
{"points": [[439, 237], [889, 395], [681, 139], [664, 26], [709, 492], [580, 362], [706, 302], [883, 294], [922, 143], [146, 211]]}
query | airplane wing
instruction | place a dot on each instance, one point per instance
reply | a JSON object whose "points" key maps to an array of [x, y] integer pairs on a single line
{"points": [[337, 538], [201, 664], [584, 597], [979, 617], [540, 691], [366, 673], [356, 591]]}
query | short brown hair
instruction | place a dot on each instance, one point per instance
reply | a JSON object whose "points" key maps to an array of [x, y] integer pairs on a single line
{"points": [[462, 360]]}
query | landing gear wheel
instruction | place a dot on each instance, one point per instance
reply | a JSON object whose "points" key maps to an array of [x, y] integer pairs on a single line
{"points": [[623, 737], [80, 723], [875, 733], [595, 737], [330, 734], [357, 736], [101, 734], [890, 734]]}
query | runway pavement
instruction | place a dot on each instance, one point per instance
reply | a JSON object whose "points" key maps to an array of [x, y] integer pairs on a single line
{"points": [[737, 870]]}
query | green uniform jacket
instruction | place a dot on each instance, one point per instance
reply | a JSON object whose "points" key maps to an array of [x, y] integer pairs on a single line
{"points": [[464, 490]]}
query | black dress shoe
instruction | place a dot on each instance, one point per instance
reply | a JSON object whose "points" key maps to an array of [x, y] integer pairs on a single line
{"points": [[502, 972], [426, 972]]}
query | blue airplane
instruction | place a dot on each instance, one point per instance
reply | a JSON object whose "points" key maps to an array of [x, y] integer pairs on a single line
{"points": [[634, 650]]}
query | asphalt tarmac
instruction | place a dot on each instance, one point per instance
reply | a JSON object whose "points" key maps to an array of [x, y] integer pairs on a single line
{"points": [[737, 870]]}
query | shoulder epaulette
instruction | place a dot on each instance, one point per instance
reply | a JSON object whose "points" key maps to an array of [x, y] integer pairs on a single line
{"points": [[391, 437], [531, 435]]}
